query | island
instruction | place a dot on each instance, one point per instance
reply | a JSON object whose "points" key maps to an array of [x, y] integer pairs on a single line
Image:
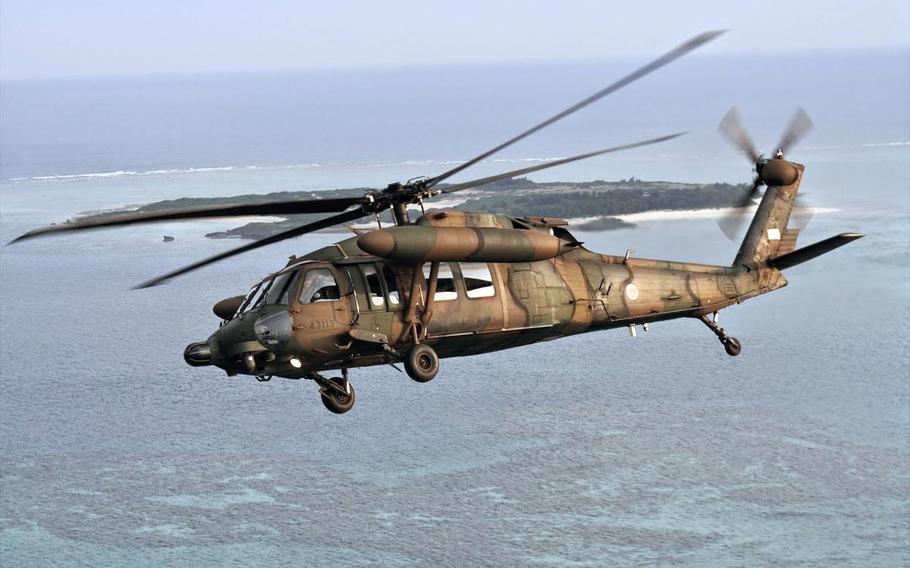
{"points": [[591, 206]]}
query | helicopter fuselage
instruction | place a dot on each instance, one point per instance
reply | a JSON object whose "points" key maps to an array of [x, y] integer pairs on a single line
{"points": [[339, 307]]}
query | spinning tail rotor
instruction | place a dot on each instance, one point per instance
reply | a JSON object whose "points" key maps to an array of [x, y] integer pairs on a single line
{"points": [[732, 127]]}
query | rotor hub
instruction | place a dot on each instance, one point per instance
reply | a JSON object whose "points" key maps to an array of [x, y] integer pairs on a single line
{"points": [[778, 172]]}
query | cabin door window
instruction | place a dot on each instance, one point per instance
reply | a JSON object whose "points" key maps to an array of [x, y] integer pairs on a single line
{"points": [[374, 288], [478, 281], [445, 287], [391, 283]]}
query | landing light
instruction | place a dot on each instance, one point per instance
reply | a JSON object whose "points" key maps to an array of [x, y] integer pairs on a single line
{"points": [[295, 362]]}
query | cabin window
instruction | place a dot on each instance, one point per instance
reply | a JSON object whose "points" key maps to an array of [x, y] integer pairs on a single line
{"points": [[374, 288], [478, 282], [319, 286], [391, 284], [445, 286]]}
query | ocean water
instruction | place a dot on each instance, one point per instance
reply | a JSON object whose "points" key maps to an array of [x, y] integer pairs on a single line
{"points": [[594, 450]]}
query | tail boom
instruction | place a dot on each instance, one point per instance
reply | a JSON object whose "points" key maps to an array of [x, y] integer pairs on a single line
{"points": [[768, 235]]}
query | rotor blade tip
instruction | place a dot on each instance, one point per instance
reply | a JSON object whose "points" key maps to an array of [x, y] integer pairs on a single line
{"points": [[22, 237], [148, 284], [669, 137], [707, 36]]}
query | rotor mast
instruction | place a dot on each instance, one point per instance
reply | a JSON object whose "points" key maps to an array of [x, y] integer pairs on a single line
{"points": [[400, 211], [399, 207]]}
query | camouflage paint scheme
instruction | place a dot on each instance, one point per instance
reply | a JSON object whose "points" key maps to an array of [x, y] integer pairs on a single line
{"points": [[565, 291]]}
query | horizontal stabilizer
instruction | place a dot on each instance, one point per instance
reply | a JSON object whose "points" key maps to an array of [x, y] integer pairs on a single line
{"points": [[800, 256]]}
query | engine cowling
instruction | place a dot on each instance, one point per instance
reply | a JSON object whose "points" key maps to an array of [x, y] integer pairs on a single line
{"points": [[415, 244]]}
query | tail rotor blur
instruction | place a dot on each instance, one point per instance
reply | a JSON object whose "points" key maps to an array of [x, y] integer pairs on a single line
{"points": [[732, 127], [799, 126]]}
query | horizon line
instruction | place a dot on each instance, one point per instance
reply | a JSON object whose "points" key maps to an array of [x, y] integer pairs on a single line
{"points": [[519, 62]]}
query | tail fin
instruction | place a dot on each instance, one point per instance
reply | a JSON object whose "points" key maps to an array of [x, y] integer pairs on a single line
{"points": [[768, 236], [808, 253]]}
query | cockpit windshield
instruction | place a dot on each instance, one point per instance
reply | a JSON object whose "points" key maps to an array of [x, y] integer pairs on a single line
{"points": [[248, 301], [279, 288], [274, 290], [318, 286]]}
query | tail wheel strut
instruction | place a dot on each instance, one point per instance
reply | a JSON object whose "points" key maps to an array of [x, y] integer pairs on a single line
{"points": [[731, 345]]}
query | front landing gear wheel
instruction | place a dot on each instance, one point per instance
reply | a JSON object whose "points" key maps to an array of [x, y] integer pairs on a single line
{"points": [[339, 396], [732, 346], [422, 363]]}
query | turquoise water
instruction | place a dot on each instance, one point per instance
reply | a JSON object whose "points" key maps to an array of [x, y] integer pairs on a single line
{"points": [[593, 450]]}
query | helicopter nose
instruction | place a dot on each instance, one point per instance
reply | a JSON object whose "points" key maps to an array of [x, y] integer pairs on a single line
{"points": [[198, 354]]}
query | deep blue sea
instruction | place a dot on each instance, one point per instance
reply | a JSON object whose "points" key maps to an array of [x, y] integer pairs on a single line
{"points": [[595, 450]]}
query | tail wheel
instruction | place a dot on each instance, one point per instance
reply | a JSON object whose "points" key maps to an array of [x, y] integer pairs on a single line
{"points": [[338, 400], [732, 346], [422, 363]]}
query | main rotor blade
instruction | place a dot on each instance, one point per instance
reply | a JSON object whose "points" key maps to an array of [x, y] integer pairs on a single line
{"points": [[273, 208], [732, 127], [799, 126], [668, 57], [554, 163], [308, 228]]}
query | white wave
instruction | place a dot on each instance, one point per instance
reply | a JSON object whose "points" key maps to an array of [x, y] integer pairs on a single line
{"points": [[854, 146], [668, 215], [575, 221], [159, 172], [74, 176], [430, 163], [215, 169], [884, 144], [237, 221], [197, 170], [446, 203], [522, 160]]}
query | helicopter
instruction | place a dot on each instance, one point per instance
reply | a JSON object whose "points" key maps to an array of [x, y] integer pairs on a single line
{"points": [[454, 283]]}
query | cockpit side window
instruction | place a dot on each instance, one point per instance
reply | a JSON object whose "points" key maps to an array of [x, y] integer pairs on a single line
{"points": [[285, 297], [319, 285], [278, 289]]}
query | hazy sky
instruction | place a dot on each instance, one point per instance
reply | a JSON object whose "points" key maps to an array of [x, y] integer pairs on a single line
{"points": [[47, 38]]}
